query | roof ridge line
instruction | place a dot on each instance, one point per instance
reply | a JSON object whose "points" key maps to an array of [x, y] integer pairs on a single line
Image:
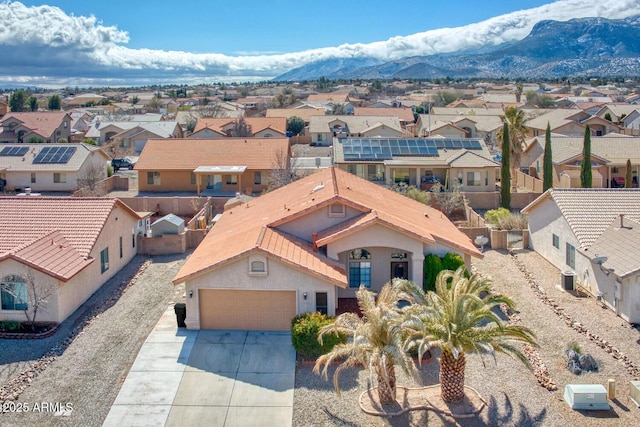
{"points": [[263, 230], [335, 181]]}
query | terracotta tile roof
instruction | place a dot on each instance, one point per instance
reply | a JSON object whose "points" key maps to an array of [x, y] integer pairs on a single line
{"points": [[188, 154], [257, 124], [621, 246], [251, 226], [43, 123], [331, 97], [304, 113], [28, 225], [589, 211]]}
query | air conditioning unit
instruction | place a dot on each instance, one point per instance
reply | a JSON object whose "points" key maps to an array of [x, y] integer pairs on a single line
{"points": [[634, 392], [568, 280]]}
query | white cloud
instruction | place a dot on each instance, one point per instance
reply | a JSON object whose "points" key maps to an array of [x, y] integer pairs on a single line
{"points": [[54, 43]]}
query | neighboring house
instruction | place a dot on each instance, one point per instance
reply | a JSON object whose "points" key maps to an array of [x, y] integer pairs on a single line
{"points": [[323, 129], [570, 122], [617, 111], [342, 98], [609, 157], [51, 167], [4, 108], [70, 245], [404, 114], [261, 127], [47, 127], [134, 132], [450, 122], [303, 247], [595, 234], [414, 160], [84, 100], [304, 113], [216, 167]]}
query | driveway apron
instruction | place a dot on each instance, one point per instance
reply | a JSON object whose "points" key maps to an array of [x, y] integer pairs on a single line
{"points": [[208, 377]]}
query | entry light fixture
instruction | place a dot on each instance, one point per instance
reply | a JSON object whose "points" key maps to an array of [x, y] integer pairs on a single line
{"points": [[190, 294], [304, 295]]}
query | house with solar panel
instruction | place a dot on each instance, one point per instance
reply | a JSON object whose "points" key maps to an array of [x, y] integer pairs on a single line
{"points": [[419, 162], [49, 167]]}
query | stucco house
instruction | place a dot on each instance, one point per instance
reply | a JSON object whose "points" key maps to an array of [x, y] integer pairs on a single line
{"points": [[322, 129], [609, 155], [50, 127], [261, 127], [51, 167], [213, 167], [305, 246], [72, 245], [415, 160], [593, 233], [133, 133]]}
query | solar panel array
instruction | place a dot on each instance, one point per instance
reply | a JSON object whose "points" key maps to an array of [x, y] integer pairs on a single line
{"points": [[55, 155], [14, 151], [388, 148]]}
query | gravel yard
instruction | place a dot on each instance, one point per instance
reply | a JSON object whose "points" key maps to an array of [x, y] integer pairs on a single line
{"points": [[107, 332], [512, 392]]}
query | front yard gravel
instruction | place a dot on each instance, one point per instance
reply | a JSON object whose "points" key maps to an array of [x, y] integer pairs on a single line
{"points": [[514, 396], [93, 349]]}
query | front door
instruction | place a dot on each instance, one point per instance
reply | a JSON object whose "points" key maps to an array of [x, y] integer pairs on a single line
{"points": [[400, 269], [322, 302]]}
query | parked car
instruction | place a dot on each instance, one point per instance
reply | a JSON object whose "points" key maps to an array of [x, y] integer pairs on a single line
{"points": [[121, 163]]}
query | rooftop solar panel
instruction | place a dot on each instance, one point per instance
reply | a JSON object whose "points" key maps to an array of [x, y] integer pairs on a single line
{"points": [[14, 151]]}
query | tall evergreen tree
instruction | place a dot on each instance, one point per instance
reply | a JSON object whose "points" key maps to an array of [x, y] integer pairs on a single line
{"points": [[505, 172], [547, 170], [17, 101], [628, 178], [586, 175]]}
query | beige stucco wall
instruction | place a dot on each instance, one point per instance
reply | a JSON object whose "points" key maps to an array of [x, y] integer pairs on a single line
{"points": [[48, 312], [171, 180], [487, 175], [269, 133], [206, 134], [316, 221], [382, 131], [279, 276]]}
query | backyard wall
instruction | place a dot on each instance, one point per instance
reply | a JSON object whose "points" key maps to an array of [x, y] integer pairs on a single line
{"points": [[164, 245]]}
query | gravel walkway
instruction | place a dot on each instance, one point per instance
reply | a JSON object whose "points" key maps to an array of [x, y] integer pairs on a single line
{"points": [[514, 396], [93, 349]]}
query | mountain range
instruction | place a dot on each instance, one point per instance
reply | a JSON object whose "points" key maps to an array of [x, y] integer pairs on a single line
{"points": [[553, 49]]}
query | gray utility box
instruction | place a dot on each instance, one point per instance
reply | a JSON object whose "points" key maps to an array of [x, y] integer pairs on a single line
{"points": [[586, 396], [634, 392]]}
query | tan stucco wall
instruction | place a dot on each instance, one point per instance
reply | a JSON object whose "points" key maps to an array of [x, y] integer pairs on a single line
{"points": [[279, 277], [206, 134], [315, 221], [181, 181]]}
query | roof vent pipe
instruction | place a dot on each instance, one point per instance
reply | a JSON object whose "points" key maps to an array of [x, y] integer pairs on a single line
{"points": [[621, 220]]}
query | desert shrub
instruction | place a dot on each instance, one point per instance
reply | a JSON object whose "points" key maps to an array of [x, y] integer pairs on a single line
{"points": [[513, 222], [304, 334], [432, 266], [573, 345], [494, 216], [418, 195], [451, 261], [9, 325], [109, 170]]}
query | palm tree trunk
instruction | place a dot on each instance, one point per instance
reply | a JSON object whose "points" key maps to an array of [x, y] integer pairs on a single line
{"points": [[452, 377], [386, 383]]}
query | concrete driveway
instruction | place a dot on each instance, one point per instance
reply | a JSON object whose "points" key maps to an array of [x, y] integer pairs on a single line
{"points": [[210, 377]]}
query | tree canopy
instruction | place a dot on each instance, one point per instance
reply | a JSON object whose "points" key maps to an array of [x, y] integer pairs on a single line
{"points": [[295, 125]]}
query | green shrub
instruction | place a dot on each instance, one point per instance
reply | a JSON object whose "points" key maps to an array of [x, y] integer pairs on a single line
{"points": [[573, 345], [304, 334], [109, 171], [452, 261], [432, 266], [9, 325], [494, 216]]}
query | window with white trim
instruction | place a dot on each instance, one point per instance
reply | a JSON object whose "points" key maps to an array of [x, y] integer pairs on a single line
{"points": [[359, 268], [337, 210], [104, 260], [59, 177], [13, 293]]}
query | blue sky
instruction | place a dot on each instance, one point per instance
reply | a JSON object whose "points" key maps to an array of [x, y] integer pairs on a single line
{"points": [[278, 26], [116, 42]]}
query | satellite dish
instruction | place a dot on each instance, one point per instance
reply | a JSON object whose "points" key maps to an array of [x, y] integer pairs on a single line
{"points": [[599, 260]]}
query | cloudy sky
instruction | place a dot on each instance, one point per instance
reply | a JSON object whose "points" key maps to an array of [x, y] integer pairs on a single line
{"points": [[119, 42]]}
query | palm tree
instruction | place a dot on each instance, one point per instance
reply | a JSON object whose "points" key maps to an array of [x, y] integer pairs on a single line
{"points": [[375, 342], [459, 319], [516, 121]]}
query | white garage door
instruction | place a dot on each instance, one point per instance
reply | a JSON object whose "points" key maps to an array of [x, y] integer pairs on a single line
{"points": [[257, 310]]}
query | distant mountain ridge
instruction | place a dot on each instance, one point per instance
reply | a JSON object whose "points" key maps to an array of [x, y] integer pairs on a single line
{"points": [[553, 49]]}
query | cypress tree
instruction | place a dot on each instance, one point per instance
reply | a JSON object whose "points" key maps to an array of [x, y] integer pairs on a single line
{"points": [[586, 178], [627, 177], [505, 170], [548, 161]]}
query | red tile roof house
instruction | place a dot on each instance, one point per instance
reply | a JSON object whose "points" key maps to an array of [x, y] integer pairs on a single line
{"points": [[72, 244], [304, 246], [36, 126], [212, 167]]}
